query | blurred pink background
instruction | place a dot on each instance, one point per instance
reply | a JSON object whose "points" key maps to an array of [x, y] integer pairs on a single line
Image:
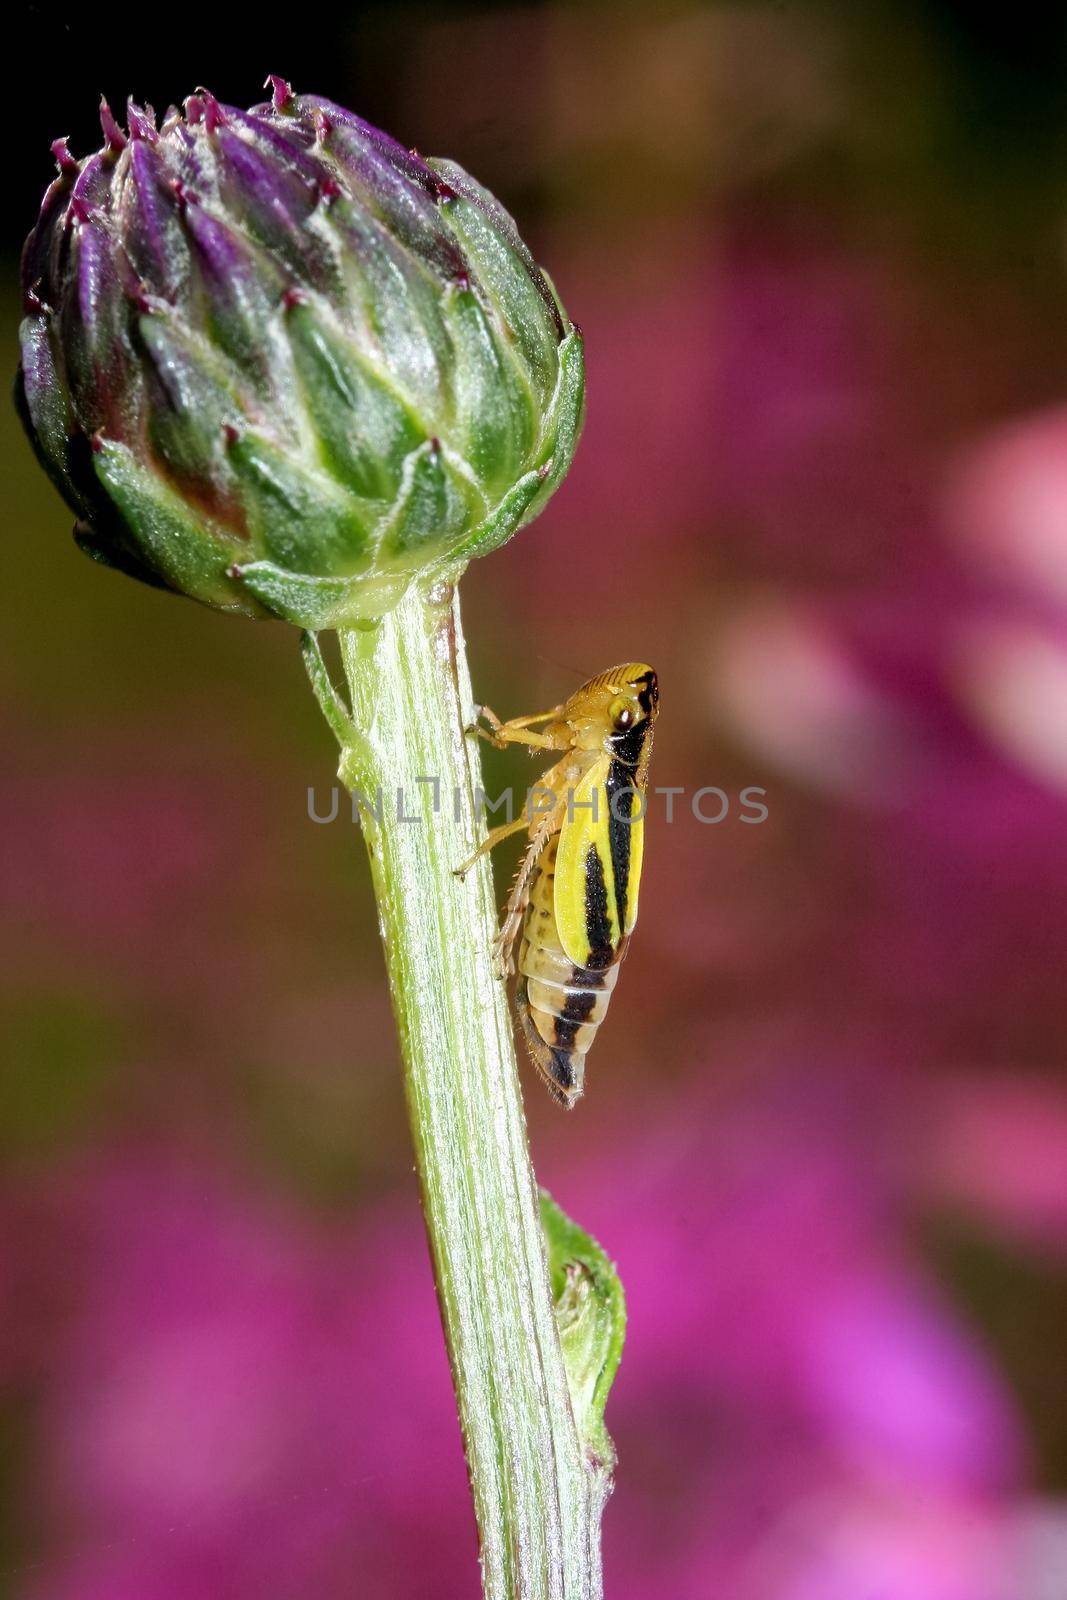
{"points": [[819, 261]]}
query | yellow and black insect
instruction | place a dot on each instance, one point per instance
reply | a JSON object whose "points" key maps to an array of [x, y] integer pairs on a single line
{"points": [[575, 893]]}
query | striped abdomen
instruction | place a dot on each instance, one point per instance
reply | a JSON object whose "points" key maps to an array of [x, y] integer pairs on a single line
{"points": [[560, 1006]]}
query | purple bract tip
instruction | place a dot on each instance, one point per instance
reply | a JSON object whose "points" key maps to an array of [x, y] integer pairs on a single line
{"points": [[213, 114], [64, 160], [194, 109], [281, 91], [141, 121], [113, 134]]}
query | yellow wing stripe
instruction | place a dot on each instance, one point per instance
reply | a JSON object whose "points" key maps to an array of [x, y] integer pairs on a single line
{"points": [[586, 910]]}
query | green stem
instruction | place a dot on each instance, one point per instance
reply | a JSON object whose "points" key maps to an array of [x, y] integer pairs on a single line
{"points": [[538, 1493]]}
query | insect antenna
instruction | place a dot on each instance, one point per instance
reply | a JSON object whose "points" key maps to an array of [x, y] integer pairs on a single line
{"points": [[561, 666]]}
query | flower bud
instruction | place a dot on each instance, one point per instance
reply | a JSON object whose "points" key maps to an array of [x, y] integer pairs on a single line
{"points": [[281, 364]]}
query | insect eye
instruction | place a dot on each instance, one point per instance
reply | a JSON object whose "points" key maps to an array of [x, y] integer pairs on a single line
{"points": [[623, 713]]}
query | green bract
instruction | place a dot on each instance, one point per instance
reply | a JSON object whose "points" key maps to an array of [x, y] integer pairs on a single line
{"points": [[281, 364]]}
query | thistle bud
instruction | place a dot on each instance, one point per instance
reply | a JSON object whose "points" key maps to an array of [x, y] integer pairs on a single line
{"points": [[279, 363]]}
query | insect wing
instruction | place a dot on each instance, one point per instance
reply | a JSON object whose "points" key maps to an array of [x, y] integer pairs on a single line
{"points": [[587, 917]]}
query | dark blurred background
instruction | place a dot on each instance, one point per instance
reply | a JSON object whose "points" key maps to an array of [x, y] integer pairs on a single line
{"points": [[818, 253]]}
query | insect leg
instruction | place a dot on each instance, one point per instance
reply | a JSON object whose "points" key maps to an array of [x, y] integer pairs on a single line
{"points": [[490, 842], [507, 735], [515, 909], [517, 731], [516, 722]]}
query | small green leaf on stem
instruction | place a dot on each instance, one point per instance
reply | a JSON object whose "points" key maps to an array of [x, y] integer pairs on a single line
{"points": [[591, 1317]]}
